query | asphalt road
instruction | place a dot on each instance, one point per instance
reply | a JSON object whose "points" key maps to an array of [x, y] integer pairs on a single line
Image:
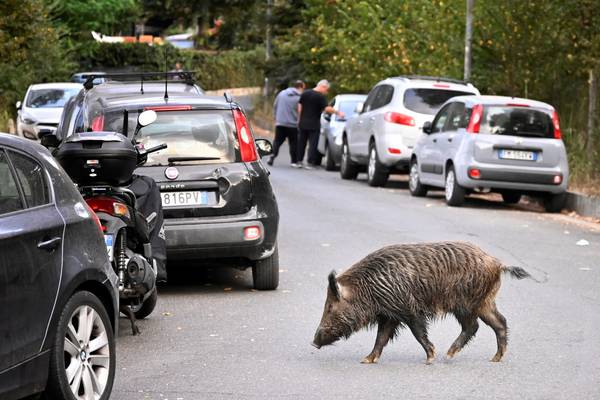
{"points": [[212, 337]]}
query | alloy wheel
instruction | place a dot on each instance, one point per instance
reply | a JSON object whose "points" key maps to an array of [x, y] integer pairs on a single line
{"points": [[450, 184], [372, 163], [413, 179], [86, 354]]}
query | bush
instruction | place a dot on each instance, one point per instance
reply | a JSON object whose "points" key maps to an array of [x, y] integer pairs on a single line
{"points": [[214, 70]]}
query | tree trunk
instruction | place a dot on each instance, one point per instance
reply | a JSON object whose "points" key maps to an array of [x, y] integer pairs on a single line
{"points": [[591, 125]]}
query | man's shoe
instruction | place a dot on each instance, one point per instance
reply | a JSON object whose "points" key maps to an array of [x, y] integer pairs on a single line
{"points": [[308, 167], [270, 161], [295, 165]]}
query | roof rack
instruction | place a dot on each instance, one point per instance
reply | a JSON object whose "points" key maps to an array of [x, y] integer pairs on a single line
{"points": [[433, 78], [186, 76]]}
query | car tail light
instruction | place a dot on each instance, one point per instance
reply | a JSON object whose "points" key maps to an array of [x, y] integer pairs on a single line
{"points": [[517, 105], [251, 233], [397, 118], [557, 179], [98, 123], [95, 218], [247, 147], [107, 205], [168, 108], [556, 124], [393, 150], [475, 121], [474, 173]]}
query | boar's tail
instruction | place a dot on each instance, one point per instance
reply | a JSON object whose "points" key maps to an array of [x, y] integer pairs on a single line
{"points": [[517, 272]]}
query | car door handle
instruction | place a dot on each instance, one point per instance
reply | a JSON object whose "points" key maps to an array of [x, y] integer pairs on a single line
{"points": [[49, 244], [434, 140], [449, 139]]}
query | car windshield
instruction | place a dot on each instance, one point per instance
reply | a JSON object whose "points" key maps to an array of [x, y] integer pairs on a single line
{"points": [[348, 107], [208, 134], [50, 98], [428, 101], [516, 121]]}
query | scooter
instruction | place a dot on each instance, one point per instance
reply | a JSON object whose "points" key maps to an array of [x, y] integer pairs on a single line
{"points": [[102, 165]]}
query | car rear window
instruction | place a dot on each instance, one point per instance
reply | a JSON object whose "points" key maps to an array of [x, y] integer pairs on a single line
{"points": [[429, 101], [516, 121], [187, 133], [50, 98]]}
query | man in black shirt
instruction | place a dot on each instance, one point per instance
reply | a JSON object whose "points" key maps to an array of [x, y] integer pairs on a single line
{"points": [[312, 103]]}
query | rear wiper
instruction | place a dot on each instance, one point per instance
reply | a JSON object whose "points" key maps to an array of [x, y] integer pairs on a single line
{"points": [[184, 159]]}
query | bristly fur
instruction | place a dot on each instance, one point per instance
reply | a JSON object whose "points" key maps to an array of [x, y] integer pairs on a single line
{"points": [[412, 284]]}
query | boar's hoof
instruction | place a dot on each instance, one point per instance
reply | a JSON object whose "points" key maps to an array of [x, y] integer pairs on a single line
{"points": [[370, 359], [497, 358]]}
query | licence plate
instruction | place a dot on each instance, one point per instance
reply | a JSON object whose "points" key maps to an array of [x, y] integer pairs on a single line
{"points": [[178, 199], [517, 155], [108, 240]]}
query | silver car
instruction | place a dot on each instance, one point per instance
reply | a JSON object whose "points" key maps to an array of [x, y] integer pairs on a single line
{"points": [[382, 137], [42, 107], [490, 143], [332, 127]]}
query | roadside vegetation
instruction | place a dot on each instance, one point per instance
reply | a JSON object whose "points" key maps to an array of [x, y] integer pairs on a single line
{"points": [[542, 49]]}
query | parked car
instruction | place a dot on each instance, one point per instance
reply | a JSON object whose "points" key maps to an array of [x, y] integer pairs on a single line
{"points": [[81, 77], [42, 107], [332, 127], [58, 294], [217, 198], [382, 137], [489, 143]]}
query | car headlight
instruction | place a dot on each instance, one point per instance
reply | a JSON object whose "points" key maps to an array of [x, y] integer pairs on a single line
{"points": [[28, 120]]}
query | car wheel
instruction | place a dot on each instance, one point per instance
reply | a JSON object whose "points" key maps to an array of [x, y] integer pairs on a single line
{"points": [[348, 168], [265, 273], [415, 186], [82, 357], [511, 197], [455, 194], [329, 160], [377, 174], [554, 203], [147, 306]]}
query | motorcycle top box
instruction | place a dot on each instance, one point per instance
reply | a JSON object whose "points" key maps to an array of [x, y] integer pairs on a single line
{"points": [[98, 158]]}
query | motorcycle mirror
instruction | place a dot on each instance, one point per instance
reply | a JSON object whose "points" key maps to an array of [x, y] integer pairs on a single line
{"points": [[146, 118]]}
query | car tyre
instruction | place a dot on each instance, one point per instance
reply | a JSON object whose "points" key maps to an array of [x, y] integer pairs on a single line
{"points": [[348, 168], [554, 203], [265, 273], [329, 160], [415, 187], [96, 343], [455, 194], [147, 306], [377, 173], [511, 197]]}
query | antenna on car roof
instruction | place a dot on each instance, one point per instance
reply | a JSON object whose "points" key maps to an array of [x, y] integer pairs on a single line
{"points": [[142, 84], [166, 72], [228, 97]]}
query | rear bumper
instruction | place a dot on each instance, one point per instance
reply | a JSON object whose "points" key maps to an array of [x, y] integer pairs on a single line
{"points": [[396, 141], [218, 237], [514, 178]]}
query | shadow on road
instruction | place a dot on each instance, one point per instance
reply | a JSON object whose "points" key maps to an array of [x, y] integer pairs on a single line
{"points": [[189, 276]]}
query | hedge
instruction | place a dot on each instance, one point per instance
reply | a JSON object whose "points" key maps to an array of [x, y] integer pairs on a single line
{"points": [[214, 70]]}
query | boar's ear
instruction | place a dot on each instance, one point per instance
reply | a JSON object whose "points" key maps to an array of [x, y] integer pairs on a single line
{"points": [[334, 286]]}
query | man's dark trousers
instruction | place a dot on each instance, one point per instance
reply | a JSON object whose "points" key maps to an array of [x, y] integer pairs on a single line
{"points": [[281, 133], [312, 137]]}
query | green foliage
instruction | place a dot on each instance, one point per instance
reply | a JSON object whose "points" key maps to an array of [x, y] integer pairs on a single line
{"points": [[214, 70], [30, 50]]}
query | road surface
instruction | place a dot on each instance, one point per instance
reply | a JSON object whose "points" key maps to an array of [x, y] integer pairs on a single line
{"points": [[212, 337]]}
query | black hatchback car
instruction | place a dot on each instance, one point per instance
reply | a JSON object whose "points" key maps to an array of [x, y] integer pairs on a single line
{"points": [[217, 198], [58, 297]]}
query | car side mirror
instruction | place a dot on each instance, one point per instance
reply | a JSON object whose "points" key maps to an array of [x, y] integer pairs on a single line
{"points": [[327, 117], [48, 139], [427, 127], [265, 148], [359, 107], [18, 104]]}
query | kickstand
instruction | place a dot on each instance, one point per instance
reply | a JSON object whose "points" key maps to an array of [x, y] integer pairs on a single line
{"points": [[127, 311]]}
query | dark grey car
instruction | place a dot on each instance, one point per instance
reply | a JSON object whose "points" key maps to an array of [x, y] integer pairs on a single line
{"points": [[58, 296]]}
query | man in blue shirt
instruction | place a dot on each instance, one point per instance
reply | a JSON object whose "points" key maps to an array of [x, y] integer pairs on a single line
{"points": [[285, 110]]}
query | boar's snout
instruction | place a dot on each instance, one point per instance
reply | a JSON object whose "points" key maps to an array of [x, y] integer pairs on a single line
{"points": [[323, 338]]}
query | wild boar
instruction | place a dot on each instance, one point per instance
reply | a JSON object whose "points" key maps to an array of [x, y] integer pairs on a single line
{"points": [[409, 286]]}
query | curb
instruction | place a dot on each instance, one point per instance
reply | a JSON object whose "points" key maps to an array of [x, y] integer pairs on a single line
{"points": [[587, 206]]}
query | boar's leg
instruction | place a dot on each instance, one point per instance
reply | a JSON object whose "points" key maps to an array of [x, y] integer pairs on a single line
{"points": [[418, 326], [492, 317], [469, 326], [385, 331]]}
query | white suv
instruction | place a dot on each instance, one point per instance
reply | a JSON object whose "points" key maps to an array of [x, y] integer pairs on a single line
{"points": [[383, 135]]}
